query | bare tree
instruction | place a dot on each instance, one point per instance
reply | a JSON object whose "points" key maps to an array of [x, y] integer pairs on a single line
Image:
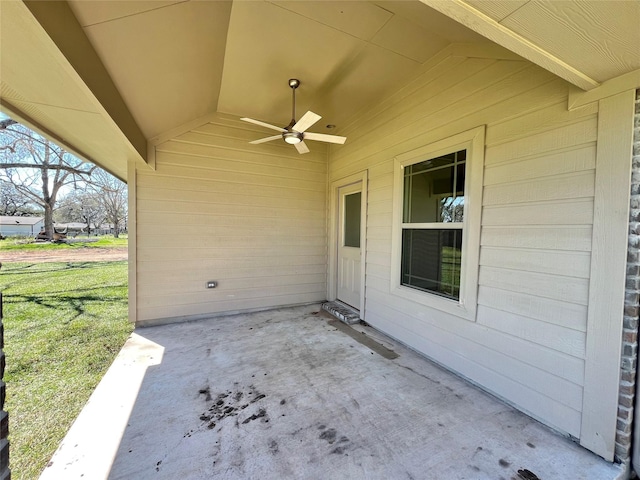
{"points": [[82, 206], [113, 195], [13, 203], [37, 168]]}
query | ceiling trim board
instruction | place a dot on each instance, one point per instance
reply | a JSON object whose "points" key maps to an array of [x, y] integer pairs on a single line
{"points": [[82, 62], [628, 81], [20, 117], [477, 21]]}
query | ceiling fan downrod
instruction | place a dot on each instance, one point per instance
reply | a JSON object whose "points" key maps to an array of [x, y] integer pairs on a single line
{"points": [[290, 136], [293, 83]]}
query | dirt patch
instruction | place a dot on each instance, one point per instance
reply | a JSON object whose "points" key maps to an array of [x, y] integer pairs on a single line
{"points": [[79, 254]]}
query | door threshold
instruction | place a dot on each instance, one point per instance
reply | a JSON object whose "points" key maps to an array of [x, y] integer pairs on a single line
{"points": [[342, 312]]}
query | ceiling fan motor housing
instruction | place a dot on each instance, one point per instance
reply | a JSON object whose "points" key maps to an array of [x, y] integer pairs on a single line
{"points": [[292, 137]]}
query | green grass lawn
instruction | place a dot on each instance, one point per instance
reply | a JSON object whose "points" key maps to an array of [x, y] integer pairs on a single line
{"points": [[105, 241], [64, 324]]}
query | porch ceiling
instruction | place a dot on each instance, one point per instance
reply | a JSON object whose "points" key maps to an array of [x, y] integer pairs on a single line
{"points": [[104, 77]]}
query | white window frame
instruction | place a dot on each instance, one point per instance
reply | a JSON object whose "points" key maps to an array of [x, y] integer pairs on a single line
{"points": [[473, 142]]}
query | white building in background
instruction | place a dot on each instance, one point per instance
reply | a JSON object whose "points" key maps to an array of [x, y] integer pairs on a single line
{"points": [[20, 226]]}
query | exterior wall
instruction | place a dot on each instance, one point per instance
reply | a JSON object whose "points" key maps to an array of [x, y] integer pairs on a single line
{"points": [[527, 343], [251, 217]]}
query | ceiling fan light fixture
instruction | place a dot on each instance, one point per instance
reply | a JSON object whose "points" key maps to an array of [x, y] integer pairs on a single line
{"points": [[292, 137]]}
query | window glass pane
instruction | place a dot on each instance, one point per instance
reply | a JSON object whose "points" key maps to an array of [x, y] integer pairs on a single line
{"points": [[352, 220], [431, 260], [434, 190]]}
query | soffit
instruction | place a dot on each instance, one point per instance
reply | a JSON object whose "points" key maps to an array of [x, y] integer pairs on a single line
{"points": [[599, 38]]}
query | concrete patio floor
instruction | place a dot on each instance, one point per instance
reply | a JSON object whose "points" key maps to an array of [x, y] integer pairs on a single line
{"points": [[285, 394]]}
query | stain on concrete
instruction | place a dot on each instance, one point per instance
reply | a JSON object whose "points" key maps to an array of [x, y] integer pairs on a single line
{"points": [[228, 404], [273, 446], [329, 435], [530, 445], [525, 474], [503, 463], [339, 450], [206, 392], [262, 413]]}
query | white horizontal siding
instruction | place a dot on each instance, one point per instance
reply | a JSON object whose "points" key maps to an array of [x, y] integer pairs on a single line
{"points": [[573, 264], [528, 341], [252, 218]]}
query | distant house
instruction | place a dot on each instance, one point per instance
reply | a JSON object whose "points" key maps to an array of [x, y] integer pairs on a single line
{"points": [[20, 226], [71, 228]]}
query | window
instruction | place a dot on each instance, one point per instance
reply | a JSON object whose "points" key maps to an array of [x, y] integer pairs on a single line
{"points": [[352, 207], [432, 224], [437, 196]]}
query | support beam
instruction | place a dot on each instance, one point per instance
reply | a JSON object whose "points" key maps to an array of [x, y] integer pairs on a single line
{"points": [[57, 19]]}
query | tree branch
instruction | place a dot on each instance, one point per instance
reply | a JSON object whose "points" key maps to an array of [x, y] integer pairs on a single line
{"points": [[36, 166]]}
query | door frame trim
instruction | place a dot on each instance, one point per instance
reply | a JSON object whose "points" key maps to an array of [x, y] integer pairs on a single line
{"points": [[332, 270]]}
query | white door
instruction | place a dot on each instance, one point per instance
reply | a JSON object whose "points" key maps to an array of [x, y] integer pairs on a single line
{"points": [[349, 259]]}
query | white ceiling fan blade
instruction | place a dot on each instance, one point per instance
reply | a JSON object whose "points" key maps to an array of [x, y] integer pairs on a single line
{"points": [[321, 137], [302, 147], [262, 124], [306, 121], [267, 139]]}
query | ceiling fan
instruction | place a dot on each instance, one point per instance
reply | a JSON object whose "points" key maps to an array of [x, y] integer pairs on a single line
{"points": [[296, 132]]}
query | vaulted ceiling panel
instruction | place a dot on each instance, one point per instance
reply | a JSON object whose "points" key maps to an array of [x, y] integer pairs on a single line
{"points": [[409, 39], [105, 10], [172, 73], [355, 88], [360, 19], [256, 71], [431, 20], [344, 53]]}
